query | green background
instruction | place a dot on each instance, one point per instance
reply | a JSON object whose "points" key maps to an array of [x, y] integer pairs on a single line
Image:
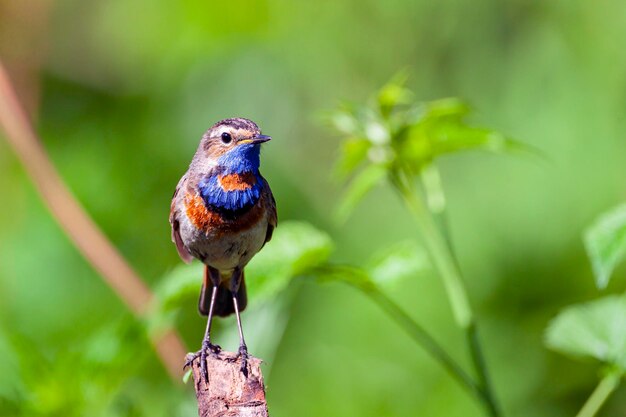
{"points": [[126, 90]]}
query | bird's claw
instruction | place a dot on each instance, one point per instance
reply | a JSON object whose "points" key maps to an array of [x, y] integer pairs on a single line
{"points": [[214, 349], [207, 348], [243, 354]]}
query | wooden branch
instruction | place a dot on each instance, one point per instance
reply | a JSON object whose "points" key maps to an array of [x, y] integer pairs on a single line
{"points": [[79, 226], [229, 393], [23, 47]]}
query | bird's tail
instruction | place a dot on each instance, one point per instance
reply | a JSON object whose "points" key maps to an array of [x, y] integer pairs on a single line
{"points": [[223, 300]]}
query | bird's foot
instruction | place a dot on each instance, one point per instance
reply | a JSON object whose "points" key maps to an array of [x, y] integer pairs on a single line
{"points": [[207, 348], [243, 354]]}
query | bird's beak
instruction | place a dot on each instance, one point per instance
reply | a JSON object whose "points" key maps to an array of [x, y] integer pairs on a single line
{"points": [[256, 139]]}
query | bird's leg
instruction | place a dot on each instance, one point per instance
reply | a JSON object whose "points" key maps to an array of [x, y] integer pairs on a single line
{"points": [[212, 275], [235, 282]]}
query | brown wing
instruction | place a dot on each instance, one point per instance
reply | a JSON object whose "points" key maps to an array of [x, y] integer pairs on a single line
{"points": [[180, 246], [270, 203]]}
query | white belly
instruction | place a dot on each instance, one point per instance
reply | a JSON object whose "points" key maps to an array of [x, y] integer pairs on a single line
{"points": [[224, 251]]}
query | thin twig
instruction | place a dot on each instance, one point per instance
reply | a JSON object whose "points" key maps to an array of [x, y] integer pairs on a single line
{"points": [[78, 225], [23, 46], [598, 397], [359, 279], [478, 360], [426, 341]]}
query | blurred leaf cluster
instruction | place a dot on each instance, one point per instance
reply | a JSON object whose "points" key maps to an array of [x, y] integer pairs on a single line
{"points": [[605, 242], [597, 329], [86, 378], [396, 136], [594, 329], [396, 139]]}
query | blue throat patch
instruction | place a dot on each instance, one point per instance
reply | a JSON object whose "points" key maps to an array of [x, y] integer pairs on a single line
{"points": [[240, 160]]}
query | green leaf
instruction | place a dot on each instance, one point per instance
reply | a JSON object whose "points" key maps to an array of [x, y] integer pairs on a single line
{"points": [[353, 153], [295, 249], [12, 386], [177, 288], [348, 274], [596, 329], [187, 376], [449, 138], [400, 261], [605, 241], [180, 284], [446, 109], [365, 180], [393, 94], [344, 120]]}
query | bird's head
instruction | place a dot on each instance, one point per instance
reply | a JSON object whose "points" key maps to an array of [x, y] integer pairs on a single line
{"points": [[233, 145]]}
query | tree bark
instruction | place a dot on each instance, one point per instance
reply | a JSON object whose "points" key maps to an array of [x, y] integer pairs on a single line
{"points": [[228, 392]]}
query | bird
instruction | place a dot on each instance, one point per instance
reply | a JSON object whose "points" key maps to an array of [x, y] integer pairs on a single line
{"points": [[222, 213]]}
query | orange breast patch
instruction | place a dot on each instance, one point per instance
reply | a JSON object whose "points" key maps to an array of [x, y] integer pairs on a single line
{"points": [[210, 221], [237, 182], [199, 215]]}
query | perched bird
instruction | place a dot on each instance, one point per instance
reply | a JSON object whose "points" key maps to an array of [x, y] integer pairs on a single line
{"points": [[222, 213]]}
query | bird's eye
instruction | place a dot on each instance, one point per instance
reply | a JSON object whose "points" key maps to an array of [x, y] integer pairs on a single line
{"points": [[226, 138]]}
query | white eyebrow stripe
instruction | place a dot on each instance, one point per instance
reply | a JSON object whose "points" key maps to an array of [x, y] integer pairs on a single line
{"points": [[233, 131], [223, 129]]}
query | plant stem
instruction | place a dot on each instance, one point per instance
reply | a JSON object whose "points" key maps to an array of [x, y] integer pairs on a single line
{"points": [[426, 341], [598, 397], [361, 280], [436, 202], [478, 360], [443, 258]]}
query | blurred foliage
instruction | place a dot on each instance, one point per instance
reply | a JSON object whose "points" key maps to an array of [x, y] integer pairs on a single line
{"points": [[90, 377], [392, 265], [386, 269], [395, 136], [605, 242], [401, 139], [594, 329], [126, 89], [597, 329]]}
